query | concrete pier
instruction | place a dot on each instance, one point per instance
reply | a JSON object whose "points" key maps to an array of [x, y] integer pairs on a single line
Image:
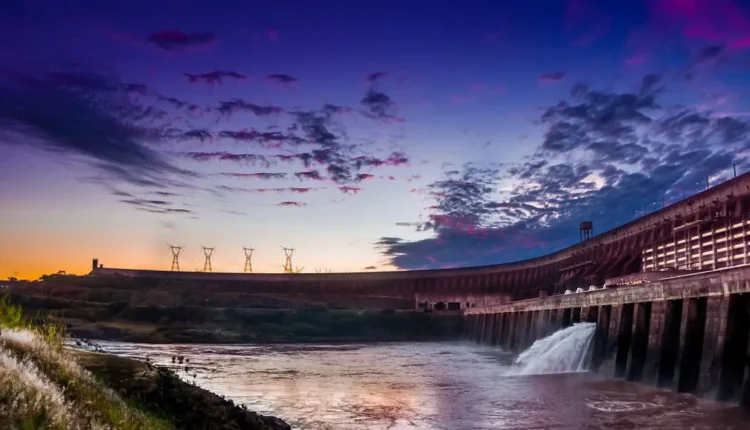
{"points": [[687, 333]]}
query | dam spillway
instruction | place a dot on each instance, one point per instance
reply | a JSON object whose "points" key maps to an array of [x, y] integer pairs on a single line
{"points": [[687, 333]]}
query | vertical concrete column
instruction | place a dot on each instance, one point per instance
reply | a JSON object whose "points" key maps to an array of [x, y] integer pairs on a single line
{"points": [[576, 316], [468, 320], [600, 337], [670, 344], [735, 351], [513, 318], [486, 326], [694, 315], [504, 331], [713, 343], [624, 336], [639, 343], [554, 321], [497, 329], [610, 352], [490, 327], [480, 328], [532, 328], [521, 330], [543, 324], [655, 338], [584, 314], [566, 317]]}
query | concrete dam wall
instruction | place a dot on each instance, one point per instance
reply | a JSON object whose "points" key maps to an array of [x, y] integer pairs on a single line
{"points": [[687, 333]]}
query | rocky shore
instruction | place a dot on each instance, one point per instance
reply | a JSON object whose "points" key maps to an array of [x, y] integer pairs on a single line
{"points": [[160, 391]]}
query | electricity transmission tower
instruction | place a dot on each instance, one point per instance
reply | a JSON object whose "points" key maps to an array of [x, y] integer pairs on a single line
{"points": [[288, 267], [175, 257], [208, 252], [322, 270], [248, 259]]}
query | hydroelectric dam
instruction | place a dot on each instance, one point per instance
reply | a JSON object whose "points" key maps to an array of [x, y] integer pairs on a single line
{"points": [[669, 293]]}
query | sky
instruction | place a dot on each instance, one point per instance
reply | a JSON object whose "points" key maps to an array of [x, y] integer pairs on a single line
{"points": [[369, 136]]}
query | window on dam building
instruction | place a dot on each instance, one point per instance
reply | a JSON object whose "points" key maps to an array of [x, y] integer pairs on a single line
{"points": [[709, 243]]}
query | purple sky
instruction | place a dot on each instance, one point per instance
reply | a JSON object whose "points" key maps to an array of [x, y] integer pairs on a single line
{"points": [[370, 136]]}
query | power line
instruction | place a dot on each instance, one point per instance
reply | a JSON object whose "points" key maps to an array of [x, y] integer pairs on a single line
{"points": [[175, 257]]}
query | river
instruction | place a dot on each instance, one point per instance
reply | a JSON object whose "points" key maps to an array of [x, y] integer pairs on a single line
{"points": [[445, 386]]}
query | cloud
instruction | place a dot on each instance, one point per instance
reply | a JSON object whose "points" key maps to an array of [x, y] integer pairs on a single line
{"points": [[379, 105], [292, 203], [551, 77], [369, 268], [373, 78], [364, 176], [174, 40], [89, 114], [283, 79], [605, 156], [229, 107], [215, 77], [297, 190], [310, 174], [256, 175], [347, 189], [155, 206], [250, 159]]}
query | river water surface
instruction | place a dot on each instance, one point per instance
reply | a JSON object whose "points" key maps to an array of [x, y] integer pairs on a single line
{"points": [[446, 386]]}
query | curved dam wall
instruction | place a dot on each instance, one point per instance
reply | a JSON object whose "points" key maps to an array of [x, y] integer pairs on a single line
{"points": [[615, 253], [688, 333]]}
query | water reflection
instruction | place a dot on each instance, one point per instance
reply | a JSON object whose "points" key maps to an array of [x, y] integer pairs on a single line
{"points": [[440, 386]]}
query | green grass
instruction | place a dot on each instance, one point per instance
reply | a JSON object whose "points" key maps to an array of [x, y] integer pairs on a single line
{"points": [[39, 370]]}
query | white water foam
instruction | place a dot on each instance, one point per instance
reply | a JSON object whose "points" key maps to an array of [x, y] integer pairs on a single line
{"points": [[564, 351]]}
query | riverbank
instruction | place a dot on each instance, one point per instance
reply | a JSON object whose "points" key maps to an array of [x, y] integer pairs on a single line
{"points": [[160, 391], [44, 385], [125, 322]]}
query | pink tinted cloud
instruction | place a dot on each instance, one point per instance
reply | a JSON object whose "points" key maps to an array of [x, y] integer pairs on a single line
{"points": [[551, 78], [719, 21], [272, 35], [635, 60]]}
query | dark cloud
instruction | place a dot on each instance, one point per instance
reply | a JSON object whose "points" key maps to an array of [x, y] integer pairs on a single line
{"points": [[605, 156], [87, 114], [292, 203], [369, 268], [155, 206], [284, 79], [229, 107], [709, 54], [257, 175], [250, 159], [379, 105], [363, 176], [347, 189], [310, 174], [297, 190], [215, 77], [551, 77], [373, 78], [174, 40]]}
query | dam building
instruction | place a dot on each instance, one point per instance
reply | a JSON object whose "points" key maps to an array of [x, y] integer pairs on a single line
{"points": [[706, 231], [669, 293]]}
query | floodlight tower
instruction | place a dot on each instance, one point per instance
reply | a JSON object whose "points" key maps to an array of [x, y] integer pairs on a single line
{"points": [[208, 252], [288, 267], [248, 259], [175, 257]]}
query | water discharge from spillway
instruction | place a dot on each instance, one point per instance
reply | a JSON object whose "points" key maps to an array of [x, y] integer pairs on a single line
{"points": [[566, 350]]}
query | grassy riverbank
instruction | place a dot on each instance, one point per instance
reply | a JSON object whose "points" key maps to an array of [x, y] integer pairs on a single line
{"points": [[208, 324], [46, 386]]}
